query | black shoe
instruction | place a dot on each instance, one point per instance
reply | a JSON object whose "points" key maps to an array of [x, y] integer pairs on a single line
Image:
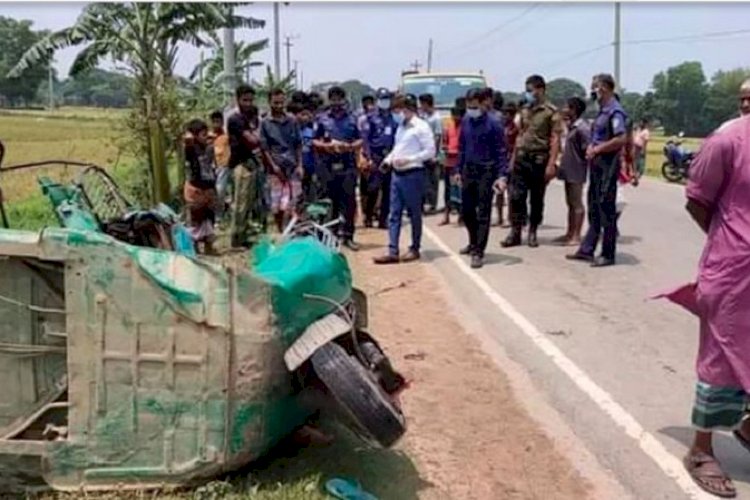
{"points": [[351, 245], [533, 242], [513, 239], [467, 250], [477, 261], [580, 257], [602, 262]]}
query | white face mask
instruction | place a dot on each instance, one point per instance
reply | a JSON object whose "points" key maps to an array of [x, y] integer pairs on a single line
{"points": [[474, 112], [384, 103]]}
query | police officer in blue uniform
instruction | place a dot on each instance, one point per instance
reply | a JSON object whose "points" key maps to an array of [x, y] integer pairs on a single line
{"points": [[337, 141], [608, 137], [378, 131]]}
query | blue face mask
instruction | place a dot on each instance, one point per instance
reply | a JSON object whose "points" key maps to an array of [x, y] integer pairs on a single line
{"points": [[398, 117], [384, 104], [474, 113], [529, 97]]}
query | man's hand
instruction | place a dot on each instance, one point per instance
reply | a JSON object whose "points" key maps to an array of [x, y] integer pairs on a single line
{"points": [[400, 162], [276, 169], [457, 179], [591, 152], [300, 172], [500, 185]]}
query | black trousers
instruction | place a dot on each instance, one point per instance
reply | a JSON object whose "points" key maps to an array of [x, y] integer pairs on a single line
{"points": [[476, 205], [527, 188], [342, 189], [432, 184], [602, 198]]}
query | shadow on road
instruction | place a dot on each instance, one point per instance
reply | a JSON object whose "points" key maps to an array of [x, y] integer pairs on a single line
{"points": [[628, 240], [431, 255], [504, 259], [627, 259], [384, 473], [732, 456]]}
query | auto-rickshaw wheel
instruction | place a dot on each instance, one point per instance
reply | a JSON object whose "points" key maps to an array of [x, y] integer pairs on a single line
{"points": [[358, 395]]}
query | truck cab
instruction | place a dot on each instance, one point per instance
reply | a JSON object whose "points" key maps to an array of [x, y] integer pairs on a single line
{"points": [[444, 87]]}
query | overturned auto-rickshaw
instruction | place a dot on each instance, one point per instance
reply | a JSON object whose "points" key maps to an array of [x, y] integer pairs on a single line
{"points": [[127, 362]]}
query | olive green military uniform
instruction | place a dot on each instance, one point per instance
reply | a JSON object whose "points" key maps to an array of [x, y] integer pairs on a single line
{"points": [[539, 124]]}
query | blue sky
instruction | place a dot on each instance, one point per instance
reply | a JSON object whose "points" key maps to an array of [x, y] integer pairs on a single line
{"points": [[375, 41]]}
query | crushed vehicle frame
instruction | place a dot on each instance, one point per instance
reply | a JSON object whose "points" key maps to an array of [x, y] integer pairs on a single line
{"points": [[128, 366]]}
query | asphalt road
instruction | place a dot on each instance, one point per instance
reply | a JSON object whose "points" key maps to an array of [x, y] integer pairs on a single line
{"points": [[617, 366]]}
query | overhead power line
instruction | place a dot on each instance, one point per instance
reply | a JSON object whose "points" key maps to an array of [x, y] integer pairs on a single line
{"points": [[492, 31]]}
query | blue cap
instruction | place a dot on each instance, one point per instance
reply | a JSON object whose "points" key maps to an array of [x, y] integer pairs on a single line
{"points": [[383, 93]]}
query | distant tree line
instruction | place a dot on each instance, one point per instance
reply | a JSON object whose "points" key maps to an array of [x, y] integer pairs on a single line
{"points": [[680, 99]]}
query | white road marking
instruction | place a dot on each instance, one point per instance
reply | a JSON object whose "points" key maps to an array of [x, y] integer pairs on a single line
{"points": [[669, 464]]}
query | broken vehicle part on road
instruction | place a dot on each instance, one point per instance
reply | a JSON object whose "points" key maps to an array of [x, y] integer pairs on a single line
{"points": [[136, 367]]}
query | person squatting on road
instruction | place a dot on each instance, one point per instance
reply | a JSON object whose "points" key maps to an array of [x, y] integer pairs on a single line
{"points": [[337, 140], [573, 168], [718, 200], [482, 167], [199, 189], [414, 147], [428, 113], [608, 138], [534, 161], [452, 189], [281, 144], [244, 161], [378, 129]]}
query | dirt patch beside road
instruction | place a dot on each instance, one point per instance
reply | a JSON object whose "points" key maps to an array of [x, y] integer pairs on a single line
{"points": [[468, 436]]}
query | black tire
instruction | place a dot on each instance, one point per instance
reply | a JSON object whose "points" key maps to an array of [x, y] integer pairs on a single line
{"points": [[375, 417], [670, 173]]}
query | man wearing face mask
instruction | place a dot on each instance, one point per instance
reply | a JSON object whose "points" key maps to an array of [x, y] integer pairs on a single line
{"points": [[482, 167], [609, 135], [534, 161], [337, 140], [745, 98], [378, 130], [413, 148]]}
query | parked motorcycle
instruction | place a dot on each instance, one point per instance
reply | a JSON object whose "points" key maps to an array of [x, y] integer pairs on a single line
{"points": [[678, 160]]}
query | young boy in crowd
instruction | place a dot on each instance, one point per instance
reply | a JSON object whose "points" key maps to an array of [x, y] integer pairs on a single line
{"points": [[452, 195], [200, 186], [307, 133], [220, 142]]}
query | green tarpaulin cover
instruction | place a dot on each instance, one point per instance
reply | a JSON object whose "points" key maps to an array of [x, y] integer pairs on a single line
{"points": [[296, 270]]}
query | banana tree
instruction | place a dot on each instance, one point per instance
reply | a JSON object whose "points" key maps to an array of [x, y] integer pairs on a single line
{"points": [[264, 88], [212, 68], [144, 39]]}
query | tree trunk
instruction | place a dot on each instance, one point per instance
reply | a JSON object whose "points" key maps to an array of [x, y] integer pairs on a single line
{"points": [[157, 157]]}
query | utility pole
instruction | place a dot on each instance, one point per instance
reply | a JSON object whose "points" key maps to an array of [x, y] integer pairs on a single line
{"points": [[276, 43], [288, 44], [296, 74], [617, 45], [429, 57], [416, 65], [51, 83], [301, 81], [230, 67]]}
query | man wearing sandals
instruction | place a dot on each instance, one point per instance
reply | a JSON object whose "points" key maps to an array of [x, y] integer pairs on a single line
{"points": [[718, 193]]}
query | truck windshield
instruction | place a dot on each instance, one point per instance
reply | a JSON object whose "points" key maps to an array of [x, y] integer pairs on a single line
{"points": [[445, 89]]}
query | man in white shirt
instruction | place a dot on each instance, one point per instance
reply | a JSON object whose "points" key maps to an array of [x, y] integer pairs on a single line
{"points": [[414, 147]]}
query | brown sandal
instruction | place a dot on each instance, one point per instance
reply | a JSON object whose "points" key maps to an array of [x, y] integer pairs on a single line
{"points": [[706, 472]]}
